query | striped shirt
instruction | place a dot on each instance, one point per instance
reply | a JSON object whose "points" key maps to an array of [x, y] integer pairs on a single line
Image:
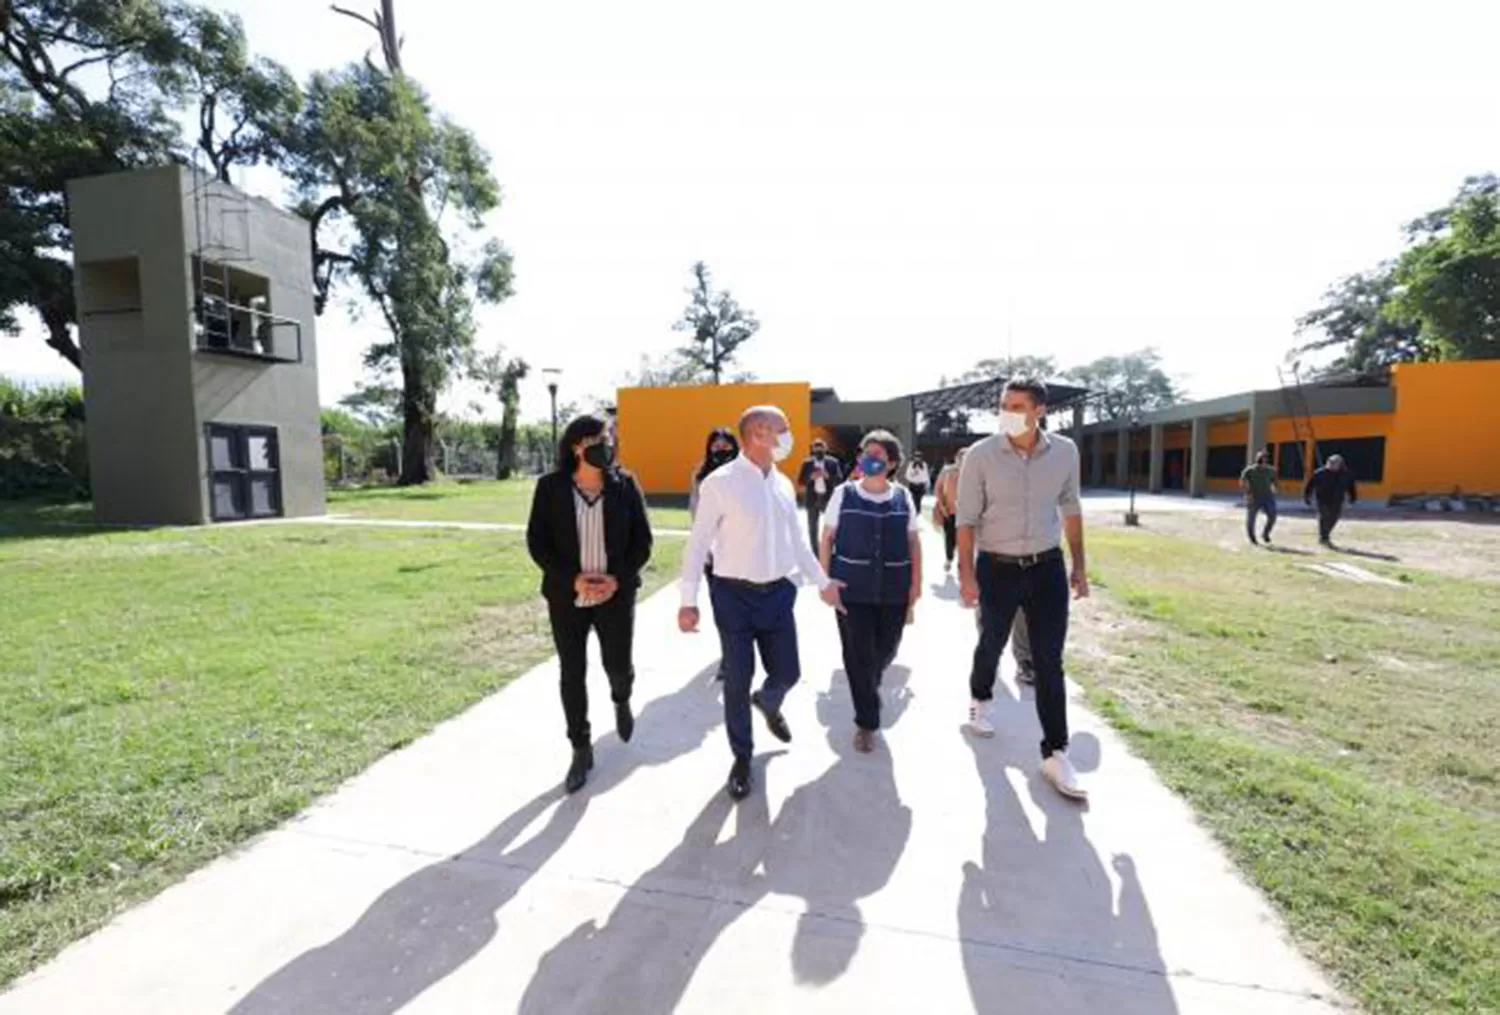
{"points": [[592, 556]]}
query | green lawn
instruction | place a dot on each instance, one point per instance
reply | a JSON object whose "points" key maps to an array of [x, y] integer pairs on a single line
{"points": [[165, 695], [481, 501], [1339, 738]]}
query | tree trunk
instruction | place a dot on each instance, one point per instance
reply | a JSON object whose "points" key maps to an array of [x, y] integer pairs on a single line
{"points": [[419, 416], [506, 465], [59, 338]]}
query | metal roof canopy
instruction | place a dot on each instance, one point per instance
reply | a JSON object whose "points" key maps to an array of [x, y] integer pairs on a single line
{"points": [[986, 395]]}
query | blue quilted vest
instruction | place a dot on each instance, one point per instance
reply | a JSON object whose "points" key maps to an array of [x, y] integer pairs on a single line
{"points": [[871, 555]]}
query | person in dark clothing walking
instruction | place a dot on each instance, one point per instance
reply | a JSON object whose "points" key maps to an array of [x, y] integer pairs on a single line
{"points": [[1331, 485], [871, 544], [590, 535], [1258, 482], [819, 475]]}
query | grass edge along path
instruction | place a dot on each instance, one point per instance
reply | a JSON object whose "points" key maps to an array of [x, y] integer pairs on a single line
{"points": [[147, 728], [1394, 890]]}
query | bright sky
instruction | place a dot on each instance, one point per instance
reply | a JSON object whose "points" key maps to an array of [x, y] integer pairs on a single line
{"points": [[900, 190]]}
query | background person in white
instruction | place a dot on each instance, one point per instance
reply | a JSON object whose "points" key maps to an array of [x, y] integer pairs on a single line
{"points": [[747, 518], [1017, 492]]}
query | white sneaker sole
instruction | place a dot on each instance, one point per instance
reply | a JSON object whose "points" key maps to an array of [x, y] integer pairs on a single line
{"points": [[1071, 794]]}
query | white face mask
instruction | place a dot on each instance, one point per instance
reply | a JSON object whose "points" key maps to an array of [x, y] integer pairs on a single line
{"points": [[1014, 424], [784, 445]]}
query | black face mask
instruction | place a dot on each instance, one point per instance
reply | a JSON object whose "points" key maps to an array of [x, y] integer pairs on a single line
{"points": [[600, 456], [720, 457]]}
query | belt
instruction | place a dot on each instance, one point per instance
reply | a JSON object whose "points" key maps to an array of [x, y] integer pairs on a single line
{"points": [[1025, 561], [749, 586]]}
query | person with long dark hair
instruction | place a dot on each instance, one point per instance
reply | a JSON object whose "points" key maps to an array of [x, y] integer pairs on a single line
{"points": [[721, 448], [590, 535]]}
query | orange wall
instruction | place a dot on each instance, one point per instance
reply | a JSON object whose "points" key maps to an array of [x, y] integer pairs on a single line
{"points": [[1447, 429], [661, 431]]}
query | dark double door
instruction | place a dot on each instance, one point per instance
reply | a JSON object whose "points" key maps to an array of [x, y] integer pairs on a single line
{"points": [[244, 472]]}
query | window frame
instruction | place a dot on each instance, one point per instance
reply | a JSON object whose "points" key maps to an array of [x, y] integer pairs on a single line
{"points": [[241, 472]]}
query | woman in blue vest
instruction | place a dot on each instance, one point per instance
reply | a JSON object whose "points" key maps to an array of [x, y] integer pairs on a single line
{"points": [[870, 544]]}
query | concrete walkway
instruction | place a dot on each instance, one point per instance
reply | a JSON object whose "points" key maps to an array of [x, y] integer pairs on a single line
{"points": [[938, 875]]}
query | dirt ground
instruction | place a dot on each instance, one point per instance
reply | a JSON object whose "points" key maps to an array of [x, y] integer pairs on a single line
{"points": [[1458, 546]]}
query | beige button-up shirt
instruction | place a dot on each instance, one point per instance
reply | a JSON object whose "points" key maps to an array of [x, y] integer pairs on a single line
{"points": [[1016, 503]]}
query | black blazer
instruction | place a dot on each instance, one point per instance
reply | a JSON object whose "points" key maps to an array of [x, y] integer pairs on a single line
{"points": [[552, 533], [833, 469]]}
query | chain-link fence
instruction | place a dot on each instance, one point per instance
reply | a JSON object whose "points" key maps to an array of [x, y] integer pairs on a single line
{"points": [[376, 461]]}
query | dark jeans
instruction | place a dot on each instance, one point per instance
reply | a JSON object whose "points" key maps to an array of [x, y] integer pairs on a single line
{"points": [[1041, 594], [815, 506], [614, 621], [950, 536], [871, 634], [1020, 642], [1328, 517], [748, 619], [1254, 508], [917, 493]]}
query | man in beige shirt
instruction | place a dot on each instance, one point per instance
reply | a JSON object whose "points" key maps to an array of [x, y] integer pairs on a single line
{"points": [[1017, 495]]}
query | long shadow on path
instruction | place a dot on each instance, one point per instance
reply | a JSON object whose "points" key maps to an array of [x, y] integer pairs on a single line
{"points": [[836, 841], [1040, 924], [422, 929]]}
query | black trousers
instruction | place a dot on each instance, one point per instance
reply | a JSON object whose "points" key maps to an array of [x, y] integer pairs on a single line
{"points": [[614, 622], [870, 634], [918, 491], [815, 506], [1328, 517], [950, 537], [1041, 594]]}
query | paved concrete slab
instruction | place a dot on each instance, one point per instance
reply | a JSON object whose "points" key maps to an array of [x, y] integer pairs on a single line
{"points": [[936, 875]]}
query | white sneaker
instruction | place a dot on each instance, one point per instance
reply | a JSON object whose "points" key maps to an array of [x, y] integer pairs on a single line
{"points": [[979, 719], [1058, 770]]}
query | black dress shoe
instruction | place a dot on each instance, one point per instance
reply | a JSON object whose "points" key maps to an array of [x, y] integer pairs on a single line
{"points": [[624, 721], [775, 721], [739, 779], [578, 771]]}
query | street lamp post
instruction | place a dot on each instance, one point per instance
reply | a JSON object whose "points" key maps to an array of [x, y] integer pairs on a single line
{"points": [[1131, 518], [552, 374]]}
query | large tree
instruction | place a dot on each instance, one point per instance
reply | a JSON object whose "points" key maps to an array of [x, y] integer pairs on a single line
{"points": [[1126, 386], [1449, 280], [717, 326], [501, 377], [1038, 367], [406, 191], [90, 87], [1439, 300], [1358, 319]]}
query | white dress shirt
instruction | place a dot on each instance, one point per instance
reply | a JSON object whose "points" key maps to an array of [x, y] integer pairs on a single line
{"points": [[749, 521]]}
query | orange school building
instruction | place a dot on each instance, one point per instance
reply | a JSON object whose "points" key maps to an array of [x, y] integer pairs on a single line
{"points": [[1432, 428], [662, 431]]}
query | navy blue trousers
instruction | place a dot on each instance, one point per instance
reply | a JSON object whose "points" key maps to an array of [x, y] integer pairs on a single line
{"points": [[748, 619]]}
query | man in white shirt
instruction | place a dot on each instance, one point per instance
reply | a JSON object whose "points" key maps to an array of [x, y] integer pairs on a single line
{"points": [[747, 518]]}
